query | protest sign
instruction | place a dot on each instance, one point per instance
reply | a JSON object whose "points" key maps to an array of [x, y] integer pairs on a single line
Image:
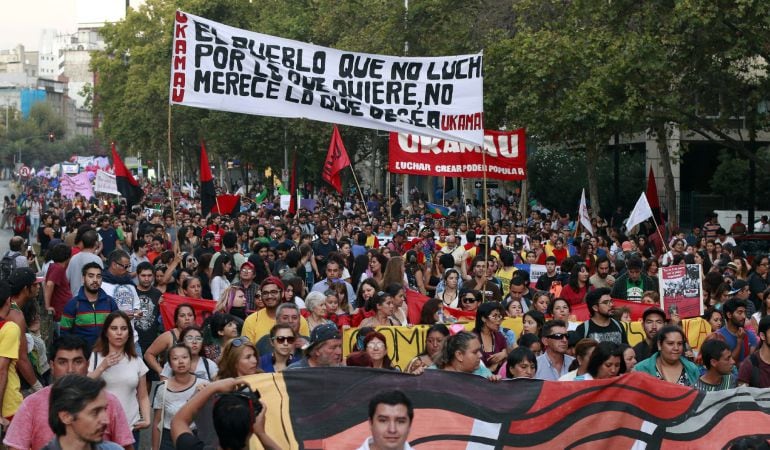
{"points": [[680, 290], [70, 169], [215, 66], [506, 156], [105, 182], [73, 185]]}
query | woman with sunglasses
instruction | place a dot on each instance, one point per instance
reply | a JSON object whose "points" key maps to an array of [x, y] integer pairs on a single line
{"points": [[382, 306], [470, 299], [239, 358], [184, 316], [200, 366], [282, 338], [218, 329], [172, 395], [114, 359], [494, 349]]}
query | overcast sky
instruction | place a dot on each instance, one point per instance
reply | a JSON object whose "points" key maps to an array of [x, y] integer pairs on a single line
{"points": [[21, 21]]}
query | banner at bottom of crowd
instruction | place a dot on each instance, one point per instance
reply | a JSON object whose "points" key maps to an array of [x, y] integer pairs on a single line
{"points": [[328, 408]]}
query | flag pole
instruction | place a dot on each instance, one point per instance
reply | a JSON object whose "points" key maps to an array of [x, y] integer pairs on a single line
{"points": [[358, 186], [171, 182], [657, 228], [486, 222]]}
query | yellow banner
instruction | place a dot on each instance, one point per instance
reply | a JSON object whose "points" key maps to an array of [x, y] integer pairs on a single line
{"points": [[405, 343]]}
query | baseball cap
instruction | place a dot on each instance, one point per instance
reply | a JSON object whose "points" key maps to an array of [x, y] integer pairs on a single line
{"points": [[272, 280], [738, 285], [248, 264], [21, 278], [322, 333]]}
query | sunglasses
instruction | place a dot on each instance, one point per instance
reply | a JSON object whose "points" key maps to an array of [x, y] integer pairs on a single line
{"points": [[469, 300], [125, 266], [284, 339], [242, 340], [557, 336]]}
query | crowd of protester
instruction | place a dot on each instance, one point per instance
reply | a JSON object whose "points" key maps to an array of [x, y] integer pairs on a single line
{"points": [[285, 286]]}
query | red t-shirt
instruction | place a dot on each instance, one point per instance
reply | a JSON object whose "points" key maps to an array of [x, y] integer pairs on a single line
{"points": [[574, 297], [57, 274]]}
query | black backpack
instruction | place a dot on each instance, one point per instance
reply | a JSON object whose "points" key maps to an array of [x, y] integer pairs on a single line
{"points": [[8, 265]]}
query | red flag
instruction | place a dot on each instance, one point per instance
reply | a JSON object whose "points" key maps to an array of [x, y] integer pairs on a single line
{"points": [[293, 186], [336, 160], [208, 193], [227, 204], [652, 197], [125, 181]]}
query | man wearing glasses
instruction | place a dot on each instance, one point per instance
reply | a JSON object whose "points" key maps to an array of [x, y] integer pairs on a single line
{"points": [[117, 283], [601, 326], [259, 323], [555, 362]]}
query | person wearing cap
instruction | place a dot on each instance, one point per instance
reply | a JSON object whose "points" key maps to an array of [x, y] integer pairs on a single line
{"points": [[323, 350], [632, 284], [754, 371], [246, 275], [653, 319], [23, 288], [258, 324]]}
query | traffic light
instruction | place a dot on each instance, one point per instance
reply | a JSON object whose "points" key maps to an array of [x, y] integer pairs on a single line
{"points": [[51, 136]]}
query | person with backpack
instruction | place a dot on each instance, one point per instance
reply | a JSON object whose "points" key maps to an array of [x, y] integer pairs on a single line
{"points": [[21, 224], [754, 371], [601, 326], [14, 258]]}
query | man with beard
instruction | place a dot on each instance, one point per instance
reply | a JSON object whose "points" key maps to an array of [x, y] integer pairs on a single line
{"points": [[84, 315], [146, 323], [259, 323], [602, 277], [601, 326], [324, 349], [653, 319], [69, 355], [741, 341], [78, 414]]}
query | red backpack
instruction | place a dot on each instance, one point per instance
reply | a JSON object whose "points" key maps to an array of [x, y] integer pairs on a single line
{"points": [[20, 223]]}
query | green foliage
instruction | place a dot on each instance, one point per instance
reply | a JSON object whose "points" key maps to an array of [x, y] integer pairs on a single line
{"points": [[557, 176], [730, 180], [29, 138]]}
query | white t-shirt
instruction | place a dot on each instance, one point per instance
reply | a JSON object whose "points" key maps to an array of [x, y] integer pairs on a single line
{"points": [[123, 381], [172, 401]]}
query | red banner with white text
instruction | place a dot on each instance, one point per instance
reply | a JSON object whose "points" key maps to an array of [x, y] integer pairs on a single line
{"points": [[506, 156]]}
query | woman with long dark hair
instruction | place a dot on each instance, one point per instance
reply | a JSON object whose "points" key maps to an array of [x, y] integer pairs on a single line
{"points": [[578, 285], [493, 344], [114, 360]]}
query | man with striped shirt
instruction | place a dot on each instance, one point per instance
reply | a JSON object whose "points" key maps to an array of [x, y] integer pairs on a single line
{"points": [[84, 315]]}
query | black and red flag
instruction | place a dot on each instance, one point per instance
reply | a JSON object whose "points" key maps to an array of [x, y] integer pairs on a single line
{"points": [[652, 197], [227, 204], [336, 160], [125, 181], [208, 193]]}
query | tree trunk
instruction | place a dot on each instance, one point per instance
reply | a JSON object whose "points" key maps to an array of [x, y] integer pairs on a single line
{"points": [[592, 158], [661, 132]]}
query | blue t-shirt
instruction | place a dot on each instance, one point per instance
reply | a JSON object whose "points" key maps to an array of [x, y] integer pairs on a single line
{"points": [[732, 341]]}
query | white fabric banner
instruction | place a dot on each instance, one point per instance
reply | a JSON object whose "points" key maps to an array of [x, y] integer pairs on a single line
{"points": [[215, 66], [640, 213], [285, 202], [105, 182]]}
